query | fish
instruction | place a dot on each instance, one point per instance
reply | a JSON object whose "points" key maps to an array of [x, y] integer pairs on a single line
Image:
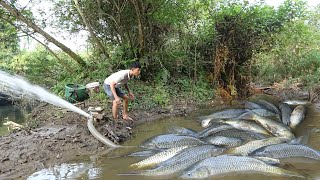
{"points": [[144, 153], [285, 150], [182, 131], [247, 126], [170, 141], [224, 165], [225, 114], [236, 133], [297, 102], [206, 122], [158, 158], [285, 113], [263, 112], [268, 105], [297, 116], [213, 129], [276, 128], [224, 141], [183, 160], [251, 146], [268, 160], [251, 105]]}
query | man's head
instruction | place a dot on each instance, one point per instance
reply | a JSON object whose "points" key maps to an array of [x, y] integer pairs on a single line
{"points": [[135, 68]]}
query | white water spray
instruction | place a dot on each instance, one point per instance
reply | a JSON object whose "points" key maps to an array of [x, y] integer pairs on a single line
{"points": [[17, 87]]}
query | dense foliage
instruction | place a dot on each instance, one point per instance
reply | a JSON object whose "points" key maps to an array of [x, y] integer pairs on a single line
{"points": [[187, 48]]}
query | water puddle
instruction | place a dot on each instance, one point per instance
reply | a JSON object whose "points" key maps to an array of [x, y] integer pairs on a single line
{"points": [[68, 171], [11, 113]]}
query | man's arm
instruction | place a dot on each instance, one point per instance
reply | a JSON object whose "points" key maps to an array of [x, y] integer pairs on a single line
{"points": [[131, 96], [127, 87]]}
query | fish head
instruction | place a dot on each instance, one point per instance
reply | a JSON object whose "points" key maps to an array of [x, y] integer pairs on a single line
{"points": [[263, 153], [205, 122], [148, 144], [201, 172]]}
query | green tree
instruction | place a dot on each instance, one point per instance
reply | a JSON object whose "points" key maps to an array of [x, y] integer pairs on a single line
{"points": [[13, 11], [9, 40], [240, 30]]}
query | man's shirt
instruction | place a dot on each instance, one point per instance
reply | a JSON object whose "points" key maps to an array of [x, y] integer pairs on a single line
{"points": [[120, 77]]}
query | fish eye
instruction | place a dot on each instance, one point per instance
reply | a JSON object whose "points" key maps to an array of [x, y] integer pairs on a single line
{"points": [[189, 174]]}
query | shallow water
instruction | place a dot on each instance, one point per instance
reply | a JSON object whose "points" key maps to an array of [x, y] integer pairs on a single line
{"points": [[11, 113], [115, 162]]}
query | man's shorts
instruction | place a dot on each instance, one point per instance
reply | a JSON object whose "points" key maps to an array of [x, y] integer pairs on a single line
{"points": [[107, 90]]}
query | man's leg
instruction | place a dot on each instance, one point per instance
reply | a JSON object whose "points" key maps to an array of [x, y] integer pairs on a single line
{"points": [[125, 114], [115, 110]]}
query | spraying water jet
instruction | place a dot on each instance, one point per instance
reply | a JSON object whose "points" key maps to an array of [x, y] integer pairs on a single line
{"points": [[18, 87]]}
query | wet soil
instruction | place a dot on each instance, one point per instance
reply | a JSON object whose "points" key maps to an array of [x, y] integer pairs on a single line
{"points": [[54, 135]]}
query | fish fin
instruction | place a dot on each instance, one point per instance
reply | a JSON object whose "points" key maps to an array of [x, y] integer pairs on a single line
{"points": [[290, 173], [301, 140], [130, 173], [296, 141], [249, 115]]}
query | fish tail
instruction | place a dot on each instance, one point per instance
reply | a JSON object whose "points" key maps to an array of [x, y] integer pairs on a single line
{"points": [[292, 174], [135, 165]]}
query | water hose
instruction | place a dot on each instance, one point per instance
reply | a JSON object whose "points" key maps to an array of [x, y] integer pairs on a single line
{"points": [[99, 136]]}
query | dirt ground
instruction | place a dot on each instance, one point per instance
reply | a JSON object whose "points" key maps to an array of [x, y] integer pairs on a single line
{"points": [[55, 135]]}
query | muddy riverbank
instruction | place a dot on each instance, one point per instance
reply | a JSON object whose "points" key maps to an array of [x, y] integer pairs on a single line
{"points": [[54, 135]]}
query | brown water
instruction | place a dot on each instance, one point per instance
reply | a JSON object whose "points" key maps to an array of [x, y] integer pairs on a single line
{"points": [[114, 162], [11, 113]]}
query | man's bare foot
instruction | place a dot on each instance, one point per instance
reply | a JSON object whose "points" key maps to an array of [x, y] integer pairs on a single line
{"points": [[127, 118]]}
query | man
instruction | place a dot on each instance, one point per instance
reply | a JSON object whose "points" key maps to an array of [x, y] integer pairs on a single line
{"points": [[112, 85]]}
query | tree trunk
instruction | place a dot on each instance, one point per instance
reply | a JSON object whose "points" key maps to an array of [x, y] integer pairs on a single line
{"points": [[37, 29], [140, 26], [92, 34]]}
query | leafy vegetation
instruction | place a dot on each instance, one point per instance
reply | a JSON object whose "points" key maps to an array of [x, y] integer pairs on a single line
{"points": [[188, 49]]}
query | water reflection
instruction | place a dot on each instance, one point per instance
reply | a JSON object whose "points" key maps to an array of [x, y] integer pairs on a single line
{"points": [[67, 171]]}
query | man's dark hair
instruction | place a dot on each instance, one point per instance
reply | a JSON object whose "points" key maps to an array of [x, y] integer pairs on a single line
{"points": [[135, 64]]}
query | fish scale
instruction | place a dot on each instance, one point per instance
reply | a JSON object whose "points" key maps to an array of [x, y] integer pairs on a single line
{"points": [[254, 145], [226, 164], [158, 158], [285, 150], [247, 126], [214, 129], [236, 133], [224, 141], [183, 160], [170, 141]]}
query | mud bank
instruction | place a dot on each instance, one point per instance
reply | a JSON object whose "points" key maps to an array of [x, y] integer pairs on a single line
{"points": [[54, 136]]}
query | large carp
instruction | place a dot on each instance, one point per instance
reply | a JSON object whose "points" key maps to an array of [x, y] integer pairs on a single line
{"points": [[170, 141], [225, 165], [276, 128], [285, 113], [183, 160], [297, 116], [285, 150], [254, 145]]}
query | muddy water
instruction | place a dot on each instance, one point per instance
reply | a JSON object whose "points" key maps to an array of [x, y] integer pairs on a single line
{"points": [[115, 162], [11, 113]]}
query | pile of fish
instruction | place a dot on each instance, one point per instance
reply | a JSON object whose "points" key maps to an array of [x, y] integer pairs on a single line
{"points": [[248, 140]]}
